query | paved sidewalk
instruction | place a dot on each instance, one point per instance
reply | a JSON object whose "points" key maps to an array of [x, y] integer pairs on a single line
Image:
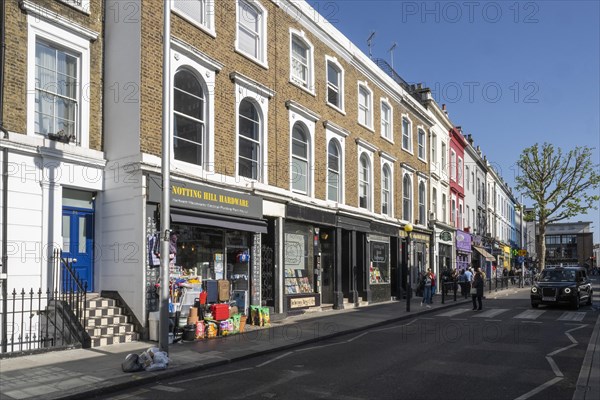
{"points": [[83, 373]]}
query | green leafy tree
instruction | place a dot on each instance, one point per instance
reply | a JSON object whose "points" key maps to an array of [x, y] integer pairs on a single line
{"points": [[561, 184]]}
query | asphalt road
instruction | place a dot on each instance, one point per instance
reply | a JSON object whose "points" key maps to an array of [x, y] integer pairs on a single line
{"points": [[506, 351]]}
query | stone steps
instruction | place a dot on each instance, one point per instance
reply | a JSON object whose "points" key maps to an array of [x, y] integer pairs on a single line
{"points": [[106, 324]]}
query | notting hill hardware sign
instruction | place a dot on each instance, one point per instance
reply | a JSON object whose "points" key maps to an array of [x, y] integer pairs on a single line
{"points": [[206, 198]]}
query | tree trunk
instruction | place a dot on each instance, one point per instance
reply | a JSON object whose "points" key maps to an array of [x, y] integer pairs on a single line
{"points": [[541, 245]]}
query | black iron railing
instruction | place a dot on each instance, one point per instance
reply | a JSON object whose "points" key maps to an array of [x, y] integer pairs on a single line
{"points": [[41, 320]]}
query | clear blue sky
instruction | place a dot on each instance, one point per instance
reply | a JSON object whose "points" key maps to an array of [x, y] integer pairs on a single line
{"points": [[511, 73]]}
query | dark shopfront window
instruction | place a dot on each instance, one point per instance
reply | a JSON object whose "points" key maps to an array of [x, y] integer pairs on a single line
{"points": [[298, 259], [379, 270], [202, 250]]}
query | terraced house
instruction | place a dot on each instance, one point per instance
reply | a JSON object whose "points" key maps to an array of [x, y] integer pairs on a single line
{"points": [[296, 160]]}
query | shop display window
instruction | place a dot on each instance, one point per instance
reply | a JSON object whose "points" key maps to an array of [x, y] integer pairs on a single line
{"points": [[200, 250], [298, 259], [379, 268]]}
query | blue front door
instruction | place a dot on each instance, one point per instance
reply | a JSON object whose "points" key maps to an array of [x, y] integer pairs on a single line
{"points": [[78, 242]]}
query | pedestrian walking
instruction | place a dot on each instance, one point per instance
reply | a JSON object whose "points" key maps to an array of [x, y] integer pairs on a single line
{"points": [[477, 290], [468, 279], [427, 283], [433, 285]]}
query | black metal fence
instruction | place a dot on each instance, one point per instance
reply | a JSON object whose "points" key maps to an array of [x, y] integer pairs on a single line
{"points": [[40, 320]]}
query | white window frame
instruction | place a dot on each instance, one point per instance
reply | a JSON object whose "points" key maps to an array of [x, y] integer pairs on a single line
{"points": [[205, 71], [444, 168], [261, 58], [334, 132], [205, 22], [39, 29], [467, 176], [338, 194], [368, 156], [434, 202], [309, 85], [444, 208], [341, 84], [81, 5], [453, 165], [259, 94], [453, 210], [387, 126], [367, 109], [389, 166], [410, 197], [459, 171], [299, 114], [408, 135], [434, 160], [422, 206], [422, 144]]}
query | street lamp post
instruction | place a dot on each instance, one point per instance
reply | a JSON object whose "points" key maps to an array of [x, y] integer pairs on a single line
{"points": [[408, 229]]}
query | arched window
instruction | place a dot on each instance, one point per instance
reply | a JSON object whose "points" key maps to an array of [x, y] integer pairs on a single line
{"points": [[422, 203], [249, 140], [333, 171], [188, 118], [364, 182], [386, 188], [407, 197], [300, 160]]}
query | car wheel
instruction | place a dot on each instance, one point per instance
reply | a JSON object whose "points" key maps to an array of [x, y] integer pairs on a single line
{"points": [[534, 305], [589, 301]]}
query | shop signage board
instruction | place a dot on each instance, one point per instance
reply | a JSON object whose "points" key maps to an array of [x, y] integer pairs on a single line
{"points": [[302, 302], [207, 198]]}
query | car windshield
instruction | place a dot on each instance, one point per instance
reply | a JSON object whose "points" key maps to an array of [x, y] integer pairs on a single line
{"points": [[550, 275]]}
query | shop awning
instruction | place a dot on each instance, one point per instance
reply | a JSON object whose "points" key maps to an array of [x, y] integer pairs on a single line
{"points": [[217, 221], [484, 253]]}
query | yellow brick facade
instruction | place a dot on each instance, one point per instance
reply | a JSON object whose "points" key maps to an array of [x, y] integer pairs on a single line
{"points": [[15, 68], [276, 77]]}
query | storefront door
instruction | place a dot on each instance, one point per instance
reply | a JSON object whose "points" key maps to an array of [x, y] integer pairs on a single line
{"points": [[327, 266], [78, 242]]}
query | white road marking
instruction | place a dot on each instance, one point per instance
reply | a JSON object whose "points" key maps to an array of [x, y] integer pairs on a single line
{"points": [[529, 314], [453, 312], [490, 313], [211, 375], [539, 388], [167, 388], [274, 359], [554, 367], [572, 316]]}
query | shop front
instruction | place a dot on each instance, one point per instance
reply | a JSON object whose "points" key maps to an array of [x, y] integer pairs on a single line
{"points": [[215, 247], [481, 258], [463, 250]]}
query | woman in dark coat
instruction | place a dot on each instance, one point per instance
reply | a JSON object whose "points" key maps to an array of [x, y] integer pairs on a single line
{"points": [[477, 285]]}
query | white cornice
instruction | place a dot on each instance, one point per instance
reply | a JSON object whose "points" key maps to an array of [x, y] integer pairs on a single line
{"points": [[251, 84], [408, 168], [387, 156], [336, 128], [35, 10], [300, 109], [422, 175], [366, 145], [207, 61]]}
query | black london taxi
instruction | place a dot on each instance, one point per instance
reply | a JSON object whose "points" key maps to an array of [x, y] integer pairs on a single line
{"points": [[562, 285]]}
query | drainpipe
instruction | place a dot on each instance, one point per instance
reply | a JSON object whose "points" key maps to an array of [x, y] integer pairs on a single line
{"points": [[4, 273]]}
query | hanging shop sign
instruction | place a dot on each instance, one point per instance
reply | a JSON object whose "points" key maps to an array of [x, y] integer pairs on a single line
{"points": [[206, 198], [445, 235], [463, 241]]}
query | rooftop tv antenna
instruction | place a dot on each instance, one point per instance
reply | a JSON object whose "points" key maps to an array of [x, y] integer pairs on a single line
{"points": [[369, 43], [391, 50]]}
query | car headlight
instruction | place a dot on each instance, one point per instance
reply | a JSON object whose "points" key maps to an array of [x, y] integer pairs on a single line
{"points": [[534, 290], [567, 290]]}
